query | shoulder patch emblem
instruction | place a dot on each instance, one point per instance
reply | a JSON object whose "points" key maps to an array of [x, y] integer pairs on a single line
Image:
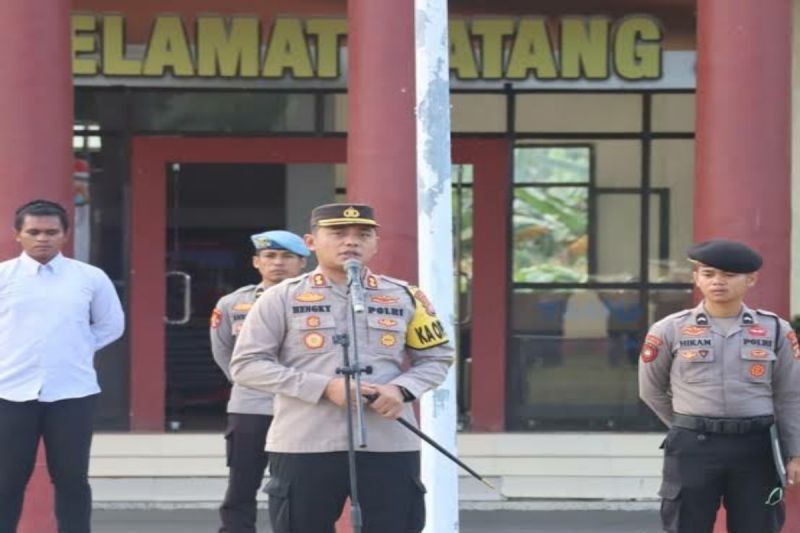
{"points": [[792, 338], [314, 341], [216, 318], [757, 331], [242, 307], [384, 299], [694, 331], [423, 299], [309, 297], [649, 351], [757, 370]]}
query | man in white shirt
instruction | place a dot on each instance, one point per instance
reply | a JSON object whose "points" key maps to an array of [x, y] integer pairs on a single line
{"points": [[55, 313]]}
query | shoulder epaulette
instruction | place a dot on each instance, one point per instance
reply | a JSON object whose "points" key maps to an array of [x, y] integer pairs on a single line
{"points": [[295, 280], [244, 289], [767, 313], [394, 281]]}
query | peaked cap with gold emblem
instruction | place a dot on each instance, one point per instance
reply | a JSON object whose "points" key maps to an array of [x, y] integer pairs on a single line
{"points": [[343, 215]]}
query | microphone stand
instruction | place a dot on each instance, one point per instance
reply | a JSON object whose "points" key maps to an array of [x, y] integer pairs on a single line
{"points": [[353, 372]]}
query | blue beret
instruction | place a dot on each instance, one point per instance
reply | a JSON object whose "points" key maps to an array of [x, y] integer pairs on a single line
{"points": [[280, 240], [730, 256]]}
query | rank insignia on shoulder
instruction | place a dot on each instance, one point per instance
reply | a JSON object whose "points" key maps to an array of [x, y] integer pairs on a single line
{"points": [[216, 318], [319, 280], [372, 282], [309, 297]]}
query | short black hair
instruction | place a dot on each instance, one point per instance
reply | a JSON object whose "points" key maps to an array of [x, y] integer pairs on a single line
{"points": [[41, 208]]}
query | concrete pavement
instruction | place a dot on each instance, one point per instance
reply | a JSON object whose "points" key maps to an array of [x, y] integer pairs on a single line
{"points": [[205, 521]]}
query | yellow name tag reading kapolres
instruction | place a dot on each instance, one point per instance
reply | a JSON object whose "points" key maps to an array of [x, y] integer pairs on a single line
{"points": [[424, 331]]}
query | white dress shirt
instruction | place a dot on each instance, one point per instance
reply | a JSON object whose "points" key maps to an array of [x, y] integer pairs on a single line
{"points": [[53, 317]]}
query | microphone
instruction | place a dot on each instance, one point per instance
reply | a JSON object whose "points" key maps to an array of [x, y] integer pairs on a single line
{"points": [[353, 268]]}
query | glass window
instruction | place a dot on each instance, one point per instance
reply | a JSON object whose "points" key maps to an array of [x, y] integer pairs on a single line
{"points": [[550, 213], [335, 112], [618, 240], [573, 360], [462, 226], [673, 112], [581, 299], [578, 112], [99, 233], [614, 163], [667, 301], [470, 112], [222, 112], [671, 209]]}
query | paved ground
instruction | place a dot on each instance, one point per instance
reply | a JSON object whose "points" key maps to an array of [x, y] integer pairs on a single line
{"points": [[205, 521]]}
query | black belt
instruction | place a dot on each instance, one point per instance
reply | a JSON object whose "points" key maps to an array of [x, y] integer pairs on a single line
{"points": [[725, 426]]}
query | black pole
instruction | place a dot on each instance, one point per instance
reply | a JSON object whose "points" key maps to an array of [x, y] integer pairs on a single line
{"points": [[353, 371], [346, 370]]}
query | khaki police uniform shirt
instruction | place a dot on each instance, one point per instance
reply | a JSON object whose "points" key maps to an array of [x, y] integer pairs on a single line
{"points": [[226, 322], [286, 347], [688, 366]]}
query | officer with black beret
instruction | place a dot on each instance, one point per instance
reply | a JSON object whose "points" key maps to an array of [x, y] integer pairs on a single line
{"points": [[720, 376]]}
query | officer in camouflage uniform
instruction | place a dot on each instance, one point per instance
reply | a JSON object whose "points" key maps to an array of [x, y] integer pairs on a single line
{"points": [[286, 347], [278, 255], [719, 376]]}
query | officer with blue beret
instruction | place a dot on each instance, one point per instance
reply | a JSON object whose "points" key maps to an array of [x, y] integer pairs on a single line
{"points": [[278, 255], [724, 378]]}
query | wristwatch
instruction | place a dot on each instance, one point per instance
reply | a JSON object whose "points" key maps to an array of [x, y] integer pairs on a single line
{"points": [[407, 396]]}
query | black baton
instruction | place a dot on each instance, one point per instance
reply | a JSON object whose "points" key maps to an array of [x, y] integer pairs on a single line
{"points": [[372, 397]]}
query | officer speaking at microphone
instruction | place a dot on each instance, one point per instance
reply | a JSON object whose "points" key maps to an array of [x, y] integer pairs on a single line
{"points": [[278, 255], [287, 347], [724, 378]]}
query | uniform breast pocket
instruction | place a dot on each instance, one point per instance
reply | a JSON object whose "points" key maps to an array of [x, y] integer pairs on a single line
{"points": [[757, 364], [386, 334], [313, 333], [697, 365]]}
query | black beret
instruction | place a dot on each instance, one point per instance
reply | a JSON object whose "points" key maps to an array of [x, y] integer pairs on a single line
{"points": [[730, 256], [343, 215]]}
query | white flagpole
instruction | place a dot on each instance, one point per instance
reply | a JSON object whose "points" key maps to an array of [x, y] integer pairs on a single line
{"points": [[435, 248]]}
